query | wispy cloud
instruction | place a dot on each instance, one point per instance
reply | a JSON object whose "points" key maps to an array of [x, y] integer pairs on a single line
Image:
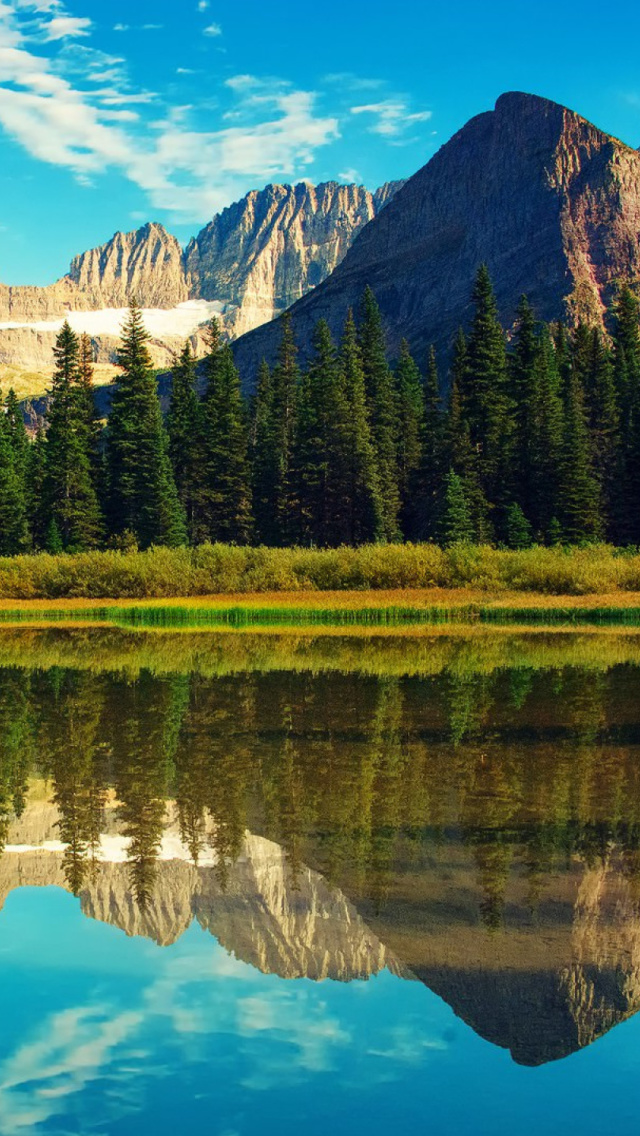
{"points": [[392, 117], [66, 27], [213, 30]]}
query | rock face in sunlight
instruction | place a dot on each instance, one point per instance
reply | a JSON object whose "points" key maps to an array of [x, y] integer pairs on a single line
{"points": [[295, 927], [252, 261], [549, 202]]}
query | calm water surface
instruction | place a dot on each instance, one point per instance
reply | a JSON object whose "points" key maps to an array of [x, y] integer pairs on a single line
{"points": [[282, 883]]}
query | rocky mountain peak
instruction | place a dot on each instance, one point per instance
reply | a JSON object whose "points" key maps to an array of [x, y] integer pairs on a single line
{"points": [[542, 196]]}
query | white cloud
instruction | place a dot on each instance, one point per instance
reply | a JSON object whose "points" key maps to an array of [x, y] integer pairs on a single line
{"points": [[392, 117], [121, 27], [350, 177], [213, 30], [203, 5], [66, 27]]}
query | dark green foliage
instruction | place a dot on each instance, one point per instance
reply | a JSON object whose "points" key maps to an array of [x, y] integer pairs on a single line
{"points": [[361, 507], [579, 492], [318, 451], [432, 458], [382, 405], [70, 497], [224, 504], [142, 492], [285, 381], [265, 463], [519, 533], [35, 488], [14, 531], [411, 429], [484, 393], [456, 524], [184, 430]]}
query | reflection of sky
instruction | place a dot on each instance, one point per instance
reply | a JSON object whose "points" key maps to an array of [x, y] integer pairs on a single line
{"points": [[115, 1036]]}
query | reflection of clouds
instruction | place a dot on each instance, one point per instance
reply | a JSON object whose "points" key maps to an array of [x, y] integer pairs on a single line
{"points": [[72, 1051], [202, 1007]]}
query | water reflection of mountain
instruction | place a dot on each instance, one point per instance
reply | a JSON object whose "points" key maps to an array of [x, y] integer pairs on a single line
{"points": [[485, 827], [309, 930]]}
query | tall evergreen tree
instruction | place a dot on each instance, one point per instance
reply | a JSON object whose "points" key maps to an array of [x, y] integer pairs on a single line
{"points": [[14, 531], [36, 488], [456, 523], [265, 461], [285, 378], [383, 412], [184, 430], [70, 494], [543, 442], [579, 495], [485, 397], [411, 429], [433, 456], [143, 498], [92, 418], [626, 360], [460, 451], [361, 511], [225, 478], [601, 405]]}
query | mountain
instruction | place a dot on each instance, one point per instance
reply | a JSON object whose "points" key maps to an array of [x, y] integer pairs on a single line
{"points": [[548, 201], [247, 265]]}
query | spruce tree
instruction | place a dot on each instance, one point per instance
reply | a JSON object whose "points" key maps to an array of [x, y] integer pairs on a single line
{"points": [[71, 500], [14, 531], [485, 398], [383, 412], [579, 496], [143, 499], [433, 456], [224, 473], [459, 450], [544, 434], [92, 418], [456, 524], [603, 416], [184, 431], [626, 359], [519, 533], [285, 378], [361, 512], [265, 465], [318, 457], [36, 488], [411, 429]]}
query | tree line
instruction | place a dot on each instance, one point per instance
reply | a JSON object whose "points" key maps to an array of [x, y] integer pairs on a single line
{"points": [[538, 441]]}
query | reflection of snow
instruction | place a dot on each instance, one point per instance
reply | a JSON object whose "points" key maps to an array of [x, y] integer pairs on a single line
{"points": [[182, 320], [115, 850]]}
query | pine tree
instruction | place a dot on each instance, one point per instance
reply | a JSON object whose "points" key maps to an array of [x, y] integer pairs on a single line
{"points": [[485, 399], [319, 455], [603, 416], [143, 498], [543, 448], [519, 533], [14, 531], [432, 460], [225, 478], [523, 363], [459, 450], [411, 427], [70, 495], [383, 412], [456, 524], [184, 431], [265, 466], [626, 361], [361, 510], [36, 488], [579, 496], [285, 377], [92, 418]]}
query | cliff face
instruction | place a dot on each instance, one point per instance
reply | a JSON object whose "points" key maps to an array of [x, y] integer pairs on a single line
{"points": [[266, 251], [253, 260], [548, 201]]}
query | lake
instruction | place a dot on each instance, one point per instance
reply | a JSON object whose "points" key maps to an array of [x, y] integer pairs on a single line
{"points": [[301, 880]]}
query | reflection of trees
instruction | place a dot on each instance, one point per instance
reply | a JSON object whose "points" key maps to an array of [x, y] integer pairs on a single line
{"points": [[359, 775]]}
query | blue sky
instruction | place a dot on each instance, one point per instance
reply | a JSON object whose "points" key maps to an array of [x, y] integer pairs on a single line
{"points": [[113, 113]]}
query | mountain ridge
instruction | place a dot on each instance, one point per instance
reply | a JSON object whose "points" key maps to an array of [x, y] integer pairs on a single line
{"points": [[546, 199]]}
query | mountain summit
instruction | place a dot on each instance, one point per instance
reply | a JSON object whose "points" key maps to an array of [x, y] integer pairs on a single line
{"points": [[549, 202]]}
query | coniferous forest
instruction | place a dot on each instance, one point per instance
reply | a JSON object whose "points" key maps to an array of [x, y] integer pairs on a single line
{"points": [[528, 439]]}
